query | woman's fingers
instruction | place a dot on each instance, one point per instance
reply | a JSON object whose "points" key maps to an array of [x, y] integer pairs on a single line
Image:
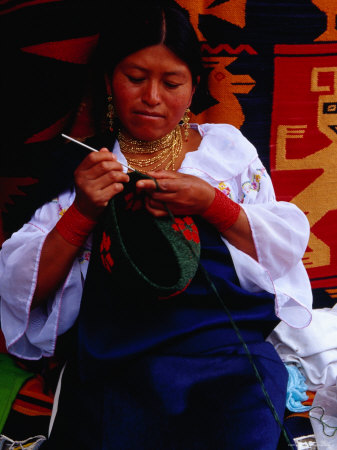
{"points": [[96, 167], [98, 178], [160, 181], [104, 195], [107, 178], [95, 157], [182, 193], [98, 170], [160, 174], [157, 209]]}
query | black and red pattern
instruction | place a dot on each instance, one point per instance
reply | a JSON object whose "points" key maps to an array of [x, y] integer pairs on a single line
{"points": [[123, 235], [187, 226], [133, 202], [104, 249]]}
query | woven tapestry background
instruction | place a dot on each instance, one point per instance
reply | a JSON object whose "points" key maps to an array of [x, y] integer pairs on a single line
{"points": [[272, 72]]}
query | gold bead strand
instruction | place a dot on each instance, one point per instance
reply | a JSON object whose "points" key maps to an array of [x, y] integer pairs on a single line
{"points": [[165, 147]]}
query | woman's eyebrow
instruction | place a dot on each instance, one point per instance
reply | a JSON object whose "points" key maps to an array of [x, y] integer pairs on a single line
{"points": [[143, 69], [177, 72]]}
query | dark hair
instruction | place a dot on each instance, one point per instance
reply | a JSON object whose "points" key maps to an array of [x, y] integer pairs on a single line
{"points": [[137, 24], [134, 25]]}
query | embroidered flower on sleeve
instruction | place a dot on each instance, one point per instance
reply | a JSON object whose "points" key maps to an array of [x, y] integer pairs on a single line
{"points": [[246, 187], [262, 171], [61, 210], [225, 189], [254, 184]]}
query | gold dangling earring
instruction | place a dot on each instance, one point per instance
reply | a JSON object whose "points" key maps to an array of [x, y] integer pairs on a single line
{"points": [[110, 114], [185, 125]]}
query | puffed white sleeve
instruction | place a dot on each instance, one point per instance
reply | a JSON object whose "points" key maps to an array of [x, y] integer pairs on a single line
{"points": [[281, 232], [31, 334]]}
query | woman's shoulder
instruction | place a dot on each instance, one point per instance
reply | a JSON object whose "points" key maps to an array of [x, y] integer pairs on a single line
{"points": [[224, 152], [226, 135], [218, 128]]}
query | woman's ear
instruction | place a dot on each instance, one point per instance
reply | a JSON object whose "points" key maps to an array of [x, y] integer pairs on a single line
{"points": [[194, 88]]}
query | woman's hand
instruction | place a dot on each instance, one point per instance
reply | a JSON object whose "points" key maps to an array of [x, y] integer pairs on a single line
{"points": [[98, 178], [183, 194], [186, 194]]}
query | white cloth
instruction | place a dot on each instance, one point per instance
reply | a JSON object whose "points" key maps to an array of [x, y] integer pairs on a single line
{"points": [[323, 417], [227, 161], [314, 348]]}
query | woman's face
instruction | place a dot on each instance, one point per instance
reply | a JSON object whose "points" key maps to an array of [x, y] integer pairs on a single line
{"points": [[151, 90]]}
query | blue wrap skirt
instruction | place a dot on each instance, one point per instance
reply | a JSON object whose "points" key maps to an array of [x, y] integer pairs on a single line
{"points": [[172, 374]]}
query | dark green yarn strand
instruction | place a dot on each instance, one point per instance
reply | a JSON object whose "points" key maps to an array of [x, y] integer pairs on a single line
{"points": [[245, 347], [321, 421], [232, 322], [187, 263]]}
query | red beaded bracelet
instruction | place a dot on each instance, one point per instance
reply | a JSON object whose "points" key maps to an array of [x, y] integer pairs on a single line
{"points": [[74, 227], [222, 212]]}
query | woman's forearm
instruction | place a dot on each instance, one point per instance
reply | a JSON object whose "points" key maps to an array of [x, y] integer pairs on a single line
{"points": [[240, 235], [98, 178], [231, 221], [57, 257]]}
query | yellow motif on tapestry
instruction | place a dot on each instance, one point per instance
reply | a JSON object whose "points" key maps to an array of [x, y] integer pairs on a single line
{"points": [[317, 199], [223, 86], [329, 7], [233, 11], [332, 292]]}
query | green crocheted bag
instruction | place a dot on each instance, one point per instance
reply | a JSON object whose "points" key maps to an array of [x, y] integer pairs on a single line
{"points": [[155, 256]]}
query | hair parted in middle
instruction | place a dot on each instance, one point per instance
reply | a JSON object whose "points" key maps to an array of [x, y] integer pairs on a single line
{"points": [[136, 25], [133, 26]]}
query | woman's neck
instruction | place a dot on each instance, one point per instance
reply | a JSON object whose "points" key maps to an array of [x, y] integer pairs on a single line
{"points": [[166, 153]]}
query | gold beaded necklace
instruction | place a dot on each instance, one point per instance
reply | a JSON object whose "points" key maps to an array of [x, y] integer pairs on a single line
{"points": [[165, 150]]}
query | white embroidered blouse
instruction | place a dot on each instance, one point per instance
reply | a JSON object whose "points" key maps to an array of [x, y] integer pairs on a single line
{"points": [[226, 160]]}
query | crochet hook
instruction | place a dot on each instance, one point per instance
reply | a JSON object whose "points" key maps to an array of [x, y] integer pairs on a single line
{"points": [[92, 149]]}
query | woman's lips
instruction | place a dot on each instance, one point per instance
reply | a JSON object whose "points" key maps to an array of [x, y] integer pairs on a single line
{"points": [[151, 114]]}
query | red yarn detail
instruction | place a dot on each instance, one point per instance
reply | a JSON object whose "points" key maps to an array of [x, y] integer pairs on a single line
{"points": [[104, 248], [176, 293], [74, 227], [222, 212], [187, 226]]}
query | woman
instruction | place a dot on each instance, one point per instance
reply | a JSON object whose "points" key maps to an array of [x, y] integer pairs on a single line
{"points": [[153, 373]]}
